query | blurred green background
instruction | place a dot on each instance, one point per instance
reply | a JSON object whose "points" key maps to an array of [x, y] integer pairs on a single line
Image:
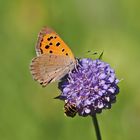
{"points": [[28, 111]]}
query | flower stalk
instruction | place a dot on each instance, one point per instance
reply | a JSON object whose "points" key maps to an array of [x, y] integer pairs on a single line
{"points": [[96, 126]]}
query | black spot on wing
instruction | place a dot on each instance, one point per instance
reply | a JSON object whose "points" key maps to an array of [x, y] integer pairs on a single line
{"points": [[58, 44], [47, 46], [41, 50], [51, 37], [48, 39]]}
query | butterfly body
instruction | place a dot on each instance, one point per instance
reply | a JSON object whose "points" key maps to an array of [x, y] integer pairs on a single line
{"points": [[54, 58]]}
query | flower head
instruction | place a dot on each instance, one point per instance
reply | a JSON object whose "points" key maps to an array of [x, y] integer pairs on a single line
{"points": [[89, 88]]}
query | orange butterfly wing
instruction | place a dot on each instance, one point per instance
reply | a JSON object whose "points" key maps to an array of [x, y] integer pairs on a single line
{"points": [[50, 42]]}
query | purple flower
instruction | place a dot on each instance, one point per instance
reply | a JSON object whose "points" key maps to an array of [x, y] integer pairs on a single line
{"points": [[89, 88]]}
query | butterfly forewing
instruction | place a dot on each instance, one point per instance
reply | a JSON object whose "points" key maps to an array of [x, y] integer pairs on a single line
{"points": [[50, 42]]}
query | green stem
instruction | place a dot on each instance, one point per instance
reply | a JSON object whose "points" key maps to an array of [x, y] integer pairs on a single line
{"points": [[97, 129]]}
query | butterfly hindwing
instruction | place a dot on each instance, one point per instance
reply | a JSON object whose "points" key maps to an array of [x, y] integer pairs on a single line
{"points": [[47, 68]]}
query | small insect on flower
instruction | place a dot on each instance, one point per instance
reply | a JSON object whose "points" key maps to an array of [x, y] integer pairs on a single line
{"points": [[70, 109]]}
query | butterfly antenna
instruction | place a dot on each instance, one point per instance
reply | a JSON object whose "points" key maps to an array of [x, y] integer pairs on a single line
{"points": [[93, 53], [89, 53]]}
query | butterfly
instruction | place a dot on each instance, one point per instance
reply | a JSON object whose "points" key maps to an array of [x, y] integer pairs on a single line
{"points": [[54, 58]]}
